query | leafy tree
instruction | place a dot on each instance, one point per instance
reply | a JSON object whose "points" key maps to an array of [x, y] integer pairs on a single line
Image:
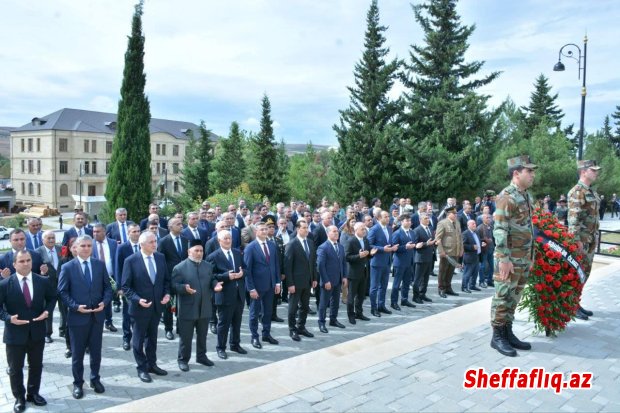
{"points": [[542, 105], [447, 127], [129, 182], [307, 176], [601, 149], [263, 171], [197, 164], [510, 125], [358, 164], [229, 164], [616, 133]]}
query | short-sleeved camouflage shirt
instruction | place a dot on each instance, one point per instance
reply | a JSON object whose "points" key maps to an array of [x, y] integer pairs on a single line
{"points": [[513, 231], [583, 218]]}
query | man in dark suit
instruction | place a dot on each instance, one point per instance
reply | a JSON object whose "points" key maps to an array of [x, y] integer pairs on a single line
{"points": [[146, 285], [79, 228], [193, 230], [379, 237], [332, 267], [104, 250], [122, 252], [424, 240], [206, 221], [26, 300], [300, 272], [403, 263], [485, 234], [228, 265], [193, 281], [33, 235], [174, 248], [358, 254], [50, 255], [471, 257], [85, 289], [117, 230], [262, 280], [465, 215], [17, 238], [154, 210], [229, 219]]}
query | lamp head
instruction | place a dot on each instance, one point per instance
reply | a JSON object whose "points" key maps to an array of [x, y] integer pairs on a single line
{"points": [[558, 67]]}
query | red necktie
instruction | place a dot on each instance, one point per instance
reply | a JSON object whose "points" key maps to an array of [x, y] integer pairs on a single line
{"points": [[266, 251], [101, 254], [26, 290]]}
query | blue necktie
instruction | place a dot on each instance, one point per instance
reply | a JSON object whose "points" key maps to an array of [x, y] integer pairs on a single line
{"points": [[135, 249], [230, 260], [36, 240], [152, 271], [179, 249], [87, 275], [123, 233]]}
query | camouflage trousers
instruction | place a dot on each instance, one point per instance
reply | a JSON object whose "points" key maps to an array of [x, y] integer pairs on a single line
{"points": [[508, 295], [588, 257]]}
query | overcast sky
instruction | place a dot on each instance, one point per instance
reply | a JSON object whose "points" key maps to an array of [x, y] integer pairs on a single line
{"points": [[213, 60]]}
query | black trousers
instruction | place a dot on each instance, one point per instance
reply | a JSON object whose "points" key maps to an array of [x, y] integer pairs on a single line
{"points": [[15, 356], [357, 293], [186, 335], [301, 296], [420, 281], [168, 320], [144, 340], [229, 319]]}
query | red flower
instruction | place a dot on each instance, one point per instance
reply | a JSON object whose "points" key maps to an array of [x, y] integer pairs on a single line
{"points": [[539, 287], [548, 278], [550, 255], [539, 239], [557, 284]]}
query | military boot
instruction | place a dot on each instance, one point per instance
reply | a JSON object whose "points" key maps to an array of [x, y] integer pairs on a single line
{"points": [[500, 343], [514, 341]]}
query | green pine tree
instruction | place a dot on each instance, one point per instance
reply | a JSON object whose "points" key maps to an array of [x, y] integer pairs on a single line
{"points": [[197, 164], [281, 190], [229, 163], [447, 126], [263, 168], [357, 165], [129, 183], [542, 105], [616, 134]]}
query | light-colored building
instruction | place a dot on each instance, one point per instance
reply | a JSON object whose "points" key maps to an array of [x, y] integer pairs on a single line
{"points": [[48, 154]]}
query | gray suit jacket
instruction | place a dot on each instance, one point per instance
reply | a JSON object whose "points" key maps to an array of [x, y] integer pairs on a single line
{"points": [[200, 277]]}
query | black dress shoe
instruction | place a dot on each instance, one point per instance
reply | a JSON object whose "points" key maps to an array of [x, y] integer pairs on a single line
{"points": [[322, 328], [336, 323], [304, 332], [169, 335], [126, 345], [49, 339], [483, 284], [451, 292], [395, 306], [442, 294], [37, 399], [376, 313], [425, 298], [256, 343], [213, 328], [183, 366], [61, 334], [407, 303], [294, 335], [270, 340], [276, 319], [145, 377], [222, 354], [20, 405], [352, 319], [465, 290], [433, 274], [78, 393], [581, 316], [97, 386], [158, 371], [68, 354], [311, 311], [586, 312], [238, 349], [205, 362], [474, 288], [490, 284], [384, 310], [417, 300], [363, 317]]}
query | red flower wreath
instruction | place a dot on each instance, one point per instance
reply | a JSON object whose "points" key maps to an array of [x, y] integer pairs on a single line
{"points": [[554, 288]]}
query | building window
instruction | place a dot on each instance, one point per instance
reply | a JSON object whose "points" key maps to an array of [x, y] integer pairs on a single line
{"points": [[163, 167], [23, 166], [86, 167], [107, 167], [93, 146], [176, 186], [175, 168], [86, 145], [30, 188], [157, 168], [157, 149], [38, 167], [64, 190], [29, 144], [38, 144], [62, 145], [63, 167], [108, 147], [23, 145], [92, 190], [30, 166], [23, 189], [38, 189], [94, 168], [175, 150], [163, 149]]}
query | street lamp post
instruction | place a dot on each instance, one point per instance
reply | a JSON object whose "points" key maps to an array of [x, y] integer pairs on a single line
{"points": [[559, 67]]}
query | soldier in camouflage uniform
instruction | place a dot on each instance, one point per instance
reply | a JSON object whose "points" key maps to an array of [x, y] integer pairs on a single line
{"points": [[583, 218], [514, 250]]}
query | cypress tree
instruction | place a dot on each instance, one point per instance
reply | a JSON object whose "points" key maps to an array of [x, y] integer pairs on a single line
{"points": [[615, 137], [358, 165], [197, 164], [129, 183], [446, 123], [229, 164]]}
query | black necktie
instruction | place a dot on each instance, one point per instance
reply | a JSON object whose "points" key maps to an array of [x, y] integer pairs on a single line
{"points": [[230, 261]]}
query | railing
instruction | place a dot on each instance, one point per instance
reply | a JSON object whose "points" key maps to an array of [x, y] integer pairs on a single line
{"points": [[612, 238]]}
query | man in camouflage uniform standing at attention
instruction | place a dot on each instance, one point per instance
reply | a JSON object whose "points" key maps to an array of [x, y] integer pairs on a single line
{"points": [[583, 218], [514, 250]]}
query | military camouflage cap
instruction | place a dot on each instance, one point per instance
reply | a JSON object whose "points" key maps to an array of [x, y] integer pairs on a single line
{"points": [[588, 164], [523, 160]]}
